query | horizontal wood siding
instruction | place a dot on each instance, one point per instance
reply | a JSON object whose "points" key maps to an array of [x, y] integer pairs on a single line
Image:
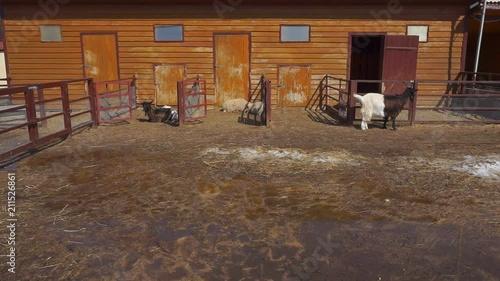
{"points": [[33, 61]]}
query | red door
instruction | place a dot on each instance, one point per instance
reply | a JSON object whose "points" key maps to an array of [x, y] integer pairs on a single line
{"points": [[400, 62]]}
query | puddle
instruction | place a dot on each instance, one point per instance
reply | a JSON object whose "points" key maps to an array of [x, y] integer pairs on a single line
{"points": [[163, 232], [384, 251]]}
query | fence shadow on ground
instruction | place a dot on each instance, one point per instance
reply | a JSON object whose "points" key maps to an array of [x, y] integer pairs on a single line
{"points": [[10, 163], [316, 111], [246, 118]]}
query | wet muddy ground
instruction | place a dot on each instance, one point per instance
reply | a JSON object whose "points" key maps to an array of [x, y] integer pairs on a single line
{"points": [[300, 200]]}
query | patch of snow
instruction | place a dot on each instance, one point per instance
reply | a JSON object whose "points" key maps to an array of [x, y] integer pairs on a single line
{"points": [[217, 150], [286, 154], [251, 153], [294, 155], [325, 159], [484, 168]]}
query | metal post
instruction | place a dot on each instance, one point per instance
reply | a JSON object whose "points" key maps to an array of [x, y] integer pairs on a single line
{"points": [[351, 102], [414, 105], [478, 49], [29, 97], [180, 102], [41, 100], [66, 108], [92, 101], [268, 102]]}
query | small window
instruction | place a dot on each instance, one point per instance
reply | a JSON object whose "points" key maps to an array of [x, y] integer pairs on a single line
{"points": [[422, 31], [50, 33], [295, 33], [169, 33]]}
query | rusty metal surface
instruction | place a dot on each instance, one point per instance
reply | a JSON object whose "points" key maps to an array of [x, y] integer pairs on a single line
{"points": [[232, 66], [294, 85], [100, 57], [166, 77]]}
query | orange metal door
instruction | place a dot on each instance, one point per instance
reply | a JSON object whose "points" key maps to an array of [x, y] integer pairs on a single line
{"points": [[294, 85], [232, 67], [166, 78], [100, 57]]}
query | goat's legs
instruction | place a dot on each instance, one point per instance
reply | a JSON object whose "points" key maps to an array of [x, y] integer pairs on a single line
{"points": [[364, 125], [385, 122], [393, 123]]}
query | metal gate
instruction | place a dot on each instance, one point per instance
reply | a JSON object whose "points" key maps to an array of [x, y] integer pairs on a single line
{"points": [[114, 100], [334, 97], [261, 93], [191, 100]]}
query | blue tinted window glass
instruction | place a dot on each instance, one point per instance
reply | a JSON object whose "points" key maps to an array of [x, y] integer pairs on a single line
{"points": [[295, 33], [168, 33]]}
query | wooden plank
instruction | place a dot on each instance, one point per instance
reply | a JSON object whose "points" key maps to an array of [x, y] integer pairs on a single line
{"points": [[133, 42], [166, 49]]}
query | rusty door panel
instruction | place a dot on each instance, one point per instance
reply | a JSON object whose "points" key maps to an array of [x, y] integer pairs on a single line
{"points": [[100, 57], [232, 67], [400, 62], [294, 85], [166, 78]]}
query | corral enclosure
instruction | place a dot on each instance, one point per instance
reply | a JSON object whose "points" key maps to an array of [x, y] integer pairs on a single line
{"points": [[220, 200]]}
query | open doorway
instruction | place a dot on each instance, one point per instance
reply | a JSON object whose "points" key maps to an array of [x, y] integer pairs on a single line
{"points": [[488, 62], [366, 61]]}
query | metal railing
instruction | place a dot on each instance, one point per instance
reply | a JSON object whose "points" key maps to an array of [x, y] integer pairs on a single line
{"points": [[114, 100], [191, 100], [33, 113], [464, 100]]}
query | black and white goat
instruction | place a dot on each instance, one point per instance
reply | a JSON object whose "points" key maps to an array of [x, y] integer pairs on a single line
{"points": [[163, 114], [378, 105], [255, 108]]}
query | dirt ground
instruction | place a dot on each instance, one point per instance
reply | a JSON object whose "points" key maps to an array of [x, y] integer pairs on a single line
{"points": [[220, 200]]}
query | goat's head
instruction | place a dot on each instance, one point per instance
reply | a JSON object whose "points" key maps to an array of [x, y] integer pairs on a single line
{"points": [[411, 92], [196, 87], [147, 106]]}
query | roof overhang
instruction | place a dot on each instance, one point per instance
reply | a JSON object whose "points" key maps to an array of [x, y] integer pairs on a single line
{"points": [[237, 2], [490, 5]]}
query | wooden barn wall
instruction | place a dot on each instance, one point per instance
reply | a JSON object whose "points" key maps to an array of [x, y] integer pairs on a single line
{"points": [[32, 61]]}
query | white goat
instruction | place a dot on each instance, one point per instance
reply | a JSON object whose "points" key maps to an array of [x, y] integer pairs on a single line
{"points": [[234, 105]]}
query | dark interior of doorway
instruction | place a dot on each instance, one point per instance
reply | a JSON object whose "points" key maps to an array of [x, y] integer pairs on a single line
{"points": [[367, 52], [488, 59]]}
